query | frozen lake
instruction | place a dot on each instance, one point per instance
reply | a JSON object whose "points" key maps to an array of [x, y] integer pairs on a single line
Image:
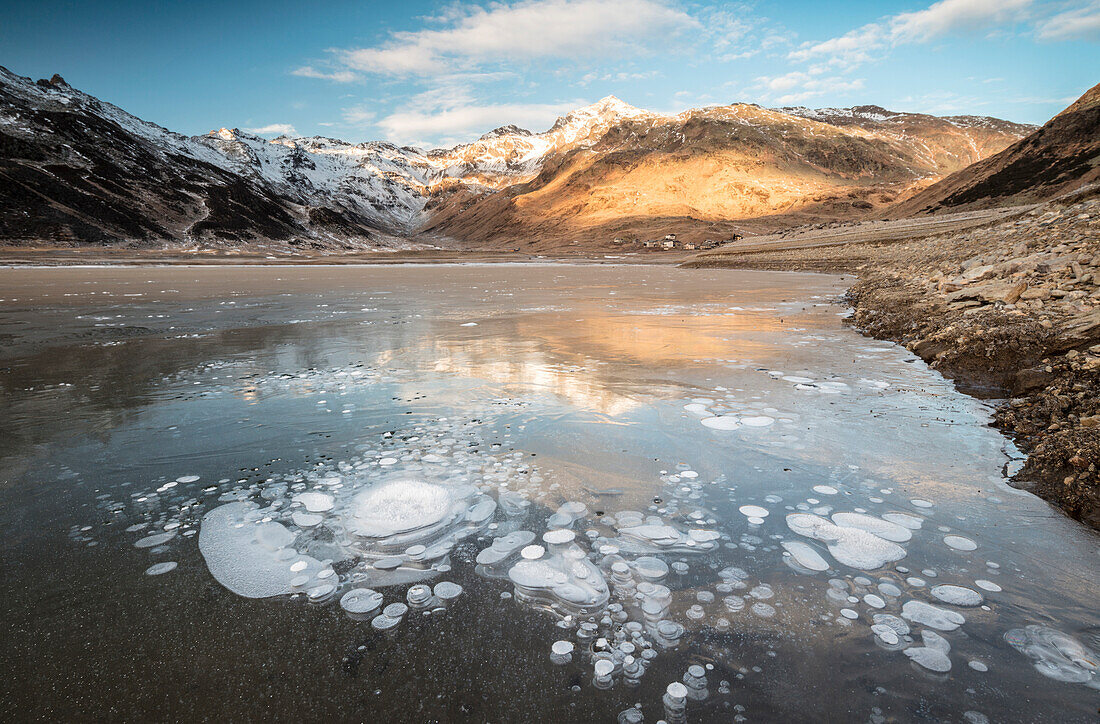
{"points": [[511, 493]]}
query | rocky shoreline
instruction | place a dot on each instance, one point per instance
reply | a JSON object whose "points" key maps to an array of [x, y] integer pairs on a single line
{"points": [[1009, 311]]}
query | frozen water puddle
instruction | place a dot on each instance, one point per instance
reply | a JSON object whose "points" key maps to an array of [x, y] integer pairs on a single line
{"points": [[379, 532]]}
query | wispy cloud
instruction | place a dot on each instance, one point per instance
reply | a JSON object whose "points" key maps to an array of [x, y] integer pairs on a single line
{"points": [[274, 129], [456, 122], [1080, 23], [943, 18], [525, 31], [337, 76], [799, 87]]}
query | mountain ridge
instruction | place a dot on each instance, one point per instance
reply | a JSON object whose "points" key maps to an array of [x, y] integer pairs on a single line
{"points": [[80, 170]]}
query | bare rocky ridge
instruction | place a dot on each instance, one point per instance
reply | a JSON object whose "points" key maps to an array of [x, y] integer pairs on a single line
{"points": [[1061, 156], [77, 170]]}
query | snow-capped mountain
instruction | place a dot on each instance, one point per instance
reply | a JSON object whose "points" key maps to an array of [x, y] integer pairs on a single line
{"points": [[76, 169]]}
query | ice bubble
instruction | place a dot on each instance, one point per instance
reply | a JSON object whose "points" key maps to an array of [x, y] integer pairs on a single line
{"points": [[978, 666], [447, 591], [306, 520], [849, 613], [987, 585], [933, 616], [395, 610], [562, 647], [921, 503], [757, 421], [721, 422], [874, 601], [187, 478], [930, 658], [321, 593], [158, 568], [763, 610], [603, 667], [562, 579], [696, 612], [957, 595], [888, 619], [242, 551], [881, 528], [533, 552], [696, 408], [850, 546], [959, 543], [889, 589], [1056, 655], [361, 601], [754, 511], [382, 622], [798, 380], [155, 539], [806, 556], [905, 520], [315, 502], [650, 568], [825, 490], [419, 596], [887, 634], [558, 537]]}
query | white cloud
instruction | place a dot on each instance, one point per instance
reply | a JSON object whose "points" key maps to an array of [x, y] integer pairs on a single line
{"points": [[358, 116], [337, 76], [949, 16], [525, 31], [852, 48], [942, 18], [274, 129], [1082, 23], [458, 122], [798, 87]]}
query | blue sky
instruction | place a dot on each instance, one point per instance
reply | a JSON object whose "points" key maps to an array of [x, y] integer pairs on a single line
{"points": [[436, 73]]}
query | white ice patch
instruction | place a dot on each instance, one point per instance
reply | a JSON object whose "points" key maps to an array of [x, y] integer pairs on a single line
{"points": [[723, 422], [850, 546], [956, 595], [959, 543], [881, 528], [933, 616], [1056, 655], [250, 557], [315, 502]]}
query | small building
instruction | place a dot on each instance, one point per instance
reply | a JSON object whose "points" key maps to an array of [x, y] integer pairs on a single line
{"points": [[692, 245], [670, 237], [618, 242], [669, 243], [650, 243]]}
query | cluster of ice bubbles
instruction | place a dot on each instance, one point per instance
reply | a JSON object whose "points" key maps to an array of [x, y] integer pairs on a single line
{"points": [[220, 378], [395, 514]]}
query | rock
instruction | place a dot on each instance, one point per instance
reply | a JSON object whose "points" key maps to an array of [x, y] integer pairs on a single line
{"points": [[978, 273], [1090, 421]]}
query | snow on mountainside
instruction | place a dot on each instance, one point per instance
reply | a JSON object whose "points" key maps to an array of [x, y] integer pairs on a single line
{"points": [[75, 169]]}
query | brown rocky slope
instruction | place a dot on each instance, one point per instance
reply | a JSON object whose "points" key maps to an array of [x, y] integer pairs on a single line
{"points": [[716, 171], [1061, 156]]}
